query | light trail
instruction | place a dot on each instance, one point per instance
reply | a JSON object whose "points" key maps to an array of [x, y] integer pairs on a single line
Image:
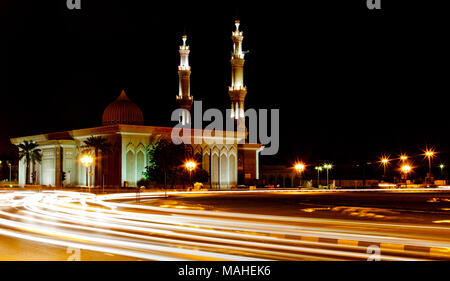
{"points": [[103, 224]]}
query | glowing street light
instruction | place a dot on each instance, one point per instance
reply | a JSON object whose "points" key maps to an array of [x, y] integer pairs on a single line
{"points": [[406, 169], [190, 166], [327, 167], [299, 168], [429, 154], [384, 161], [87, 161]]}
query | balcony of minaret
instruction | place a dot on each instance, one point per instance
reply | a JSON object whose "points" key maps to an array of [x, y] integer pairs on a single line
{"points": [[184, 101], [237, 88], [237, 34], [184, 48], [184, 67]]}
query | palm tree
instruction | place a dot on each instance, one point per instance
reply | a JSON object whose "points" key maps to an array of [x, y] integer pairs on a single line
{"points": [[29, 150], [36, 157], [98, 144]]}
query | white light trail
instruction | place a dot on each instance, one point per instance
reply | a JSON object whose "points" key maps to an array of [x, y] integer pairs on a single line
{"points": [[103, 224]]}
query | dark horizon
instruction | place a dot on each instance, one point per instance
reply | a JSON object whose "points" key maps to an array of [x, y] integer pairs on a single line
{"points": [[351, 84]]}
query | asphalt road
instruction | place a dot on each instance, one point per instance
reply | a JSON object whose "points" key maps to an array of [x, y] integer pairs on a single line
{"points": [[283, 225]]}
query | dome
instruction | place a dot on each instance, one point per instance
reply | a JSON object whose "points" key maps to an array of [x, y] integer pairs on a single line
{"points": [[123, 111]]}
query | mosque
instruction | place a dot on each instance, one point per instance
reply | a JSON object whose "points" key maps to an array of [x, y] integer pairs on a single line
{"points": [[227, 163]]}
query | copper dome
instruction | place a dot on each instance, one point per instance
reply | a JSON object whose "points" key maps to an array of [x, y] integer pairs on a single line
{"points": [[123, 111]]}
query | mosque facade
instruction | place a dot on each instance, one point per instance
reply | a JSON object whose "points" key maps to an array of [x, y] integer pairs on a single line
{"points": [[227, 162]]}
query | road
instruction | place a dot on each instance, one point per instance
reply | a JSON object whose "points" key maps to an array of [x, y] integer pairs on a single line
{"points": [[231, 225]]}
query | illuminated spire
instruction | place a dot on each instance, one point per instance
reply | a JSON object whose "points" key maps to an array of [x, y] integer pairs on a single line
{"points": [[184, 98], [237, 90]]}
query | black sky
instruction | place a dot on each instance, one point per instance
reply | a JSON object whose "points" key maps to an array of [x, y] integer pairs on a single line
{"points": [[350, 83]]}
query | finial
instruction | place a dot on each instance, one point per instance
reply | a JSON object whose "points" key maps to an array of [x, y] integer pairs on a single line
{"points": [[184, 39], [123, 95], [237, 23]]}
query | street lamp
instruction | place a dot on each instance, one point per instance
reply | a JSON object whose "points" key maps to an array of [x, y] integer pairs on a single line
{"points": [[327, 167], [299, 167], [190, 166], [405, 170], [429, 154], [442, 168], [87, 161], [403, 157], [319, 169], [384, 161]]}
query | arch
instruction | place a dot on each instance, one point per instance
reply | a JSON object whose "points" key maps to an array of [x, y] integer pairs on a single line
{"points": [[130, 146], [232, 169], [215, 170], [140, 147], [131, 167], [205, 161], [224, 170], [215, 150], [140, 158], [198, 149]]}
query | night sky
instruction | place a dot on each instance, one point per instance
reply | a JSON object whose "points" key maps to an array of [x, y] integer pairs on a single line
{"points": [[351, 84]]}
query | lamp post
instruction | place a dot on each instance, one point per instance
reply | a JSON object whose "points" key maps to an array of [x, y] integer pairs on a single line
{"points": [[429, 153], [299, 168], [442, 169], [405, 170], [318, 168], [190, 166], [327, 167], [384, 162], [87, 161]]}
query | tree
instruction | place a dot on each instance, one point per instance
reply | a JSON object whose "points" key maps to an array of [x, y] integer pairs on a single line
{"points": [[36, 157], [98, 144], [32, 154], [164, 160]]}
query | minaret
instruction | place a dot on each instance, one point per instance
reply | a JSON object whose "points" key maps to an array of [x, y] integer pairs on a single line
{"points": [[184, 98], [237, 90]]}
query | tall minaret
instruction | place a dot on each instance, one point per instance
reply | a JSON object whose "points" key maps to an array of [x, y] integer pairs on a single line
{"points": [[237, 90], [184, 98]]}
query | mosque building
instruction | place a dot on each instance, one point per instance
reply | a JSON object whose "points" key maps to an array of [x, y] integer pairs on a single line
{"points": [[228, 163]]}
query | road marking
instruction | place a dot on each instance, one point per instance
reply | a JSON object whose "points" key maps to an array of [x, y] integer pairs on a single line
{"points": [[277, 235], [310, 238], [347, 242], [390, 246], [440, 252]]}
